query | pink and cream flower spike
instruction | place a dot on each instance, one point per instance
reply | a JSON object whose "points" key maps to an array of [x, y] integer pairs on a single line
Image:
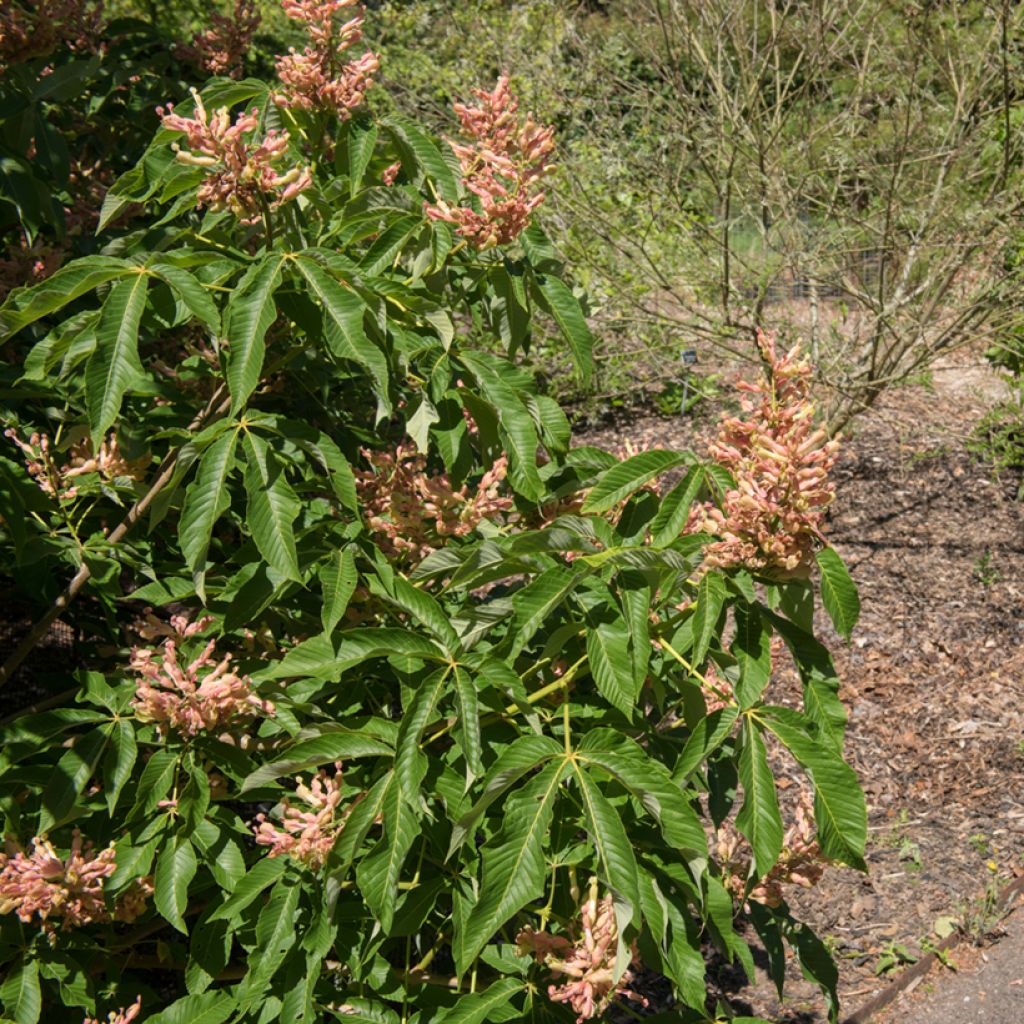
{"points": [[221, 49], [588, 964], [773, 519], [122, 1016], [42, 884], [307, 835], [181, 698], [242, 176], [502, 166], [319, 78]]}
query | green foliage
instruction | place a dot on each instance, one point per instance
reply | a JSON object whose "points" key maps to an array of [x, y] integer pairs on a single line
{"points": [[518, 697]]}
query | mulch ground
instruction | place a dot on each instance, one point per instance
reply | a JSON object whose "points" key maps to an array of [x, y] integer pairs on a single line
{"points": [[933, 682]]}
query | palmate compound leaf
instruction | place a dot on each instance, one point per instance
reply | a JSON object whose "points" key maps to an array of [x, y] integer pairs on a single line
{"points": [[759, 818], [513, 863]]}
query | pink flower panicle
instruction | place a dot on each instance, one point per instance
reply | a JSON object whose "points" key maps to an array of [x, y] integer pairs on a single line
{"points": [[242, 177], [221, 49], [122, 1016], [179, 698], [773, 519], [588, 963], [413, 512], [308, 835], [109, 462], [502, 166], [42, 884], [800, 863], [319, 78]]}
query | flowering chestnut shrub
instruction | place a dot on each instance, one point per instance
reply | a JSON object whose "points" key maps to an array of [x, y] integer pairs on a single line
{"points": [[388, 704]]}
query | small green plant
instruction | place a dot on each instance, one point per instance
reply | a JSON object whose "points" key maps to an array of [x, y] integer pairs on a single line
{"points": [[892, 957], [929, 945], [984, 571], [910, 852], [980, 844], [981, 915]]}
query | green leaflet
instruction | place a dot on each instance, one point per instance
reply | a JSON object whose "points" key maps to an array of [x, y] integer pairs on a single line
{"points": [[611, 664], [338, 578], [176, 866], [206, 500], [759, 818], [377, 875], [249, 315], [20, 993], [564, 307], [621, 480], [711, 595], [25, 306], [310, 753], [607, 833], [475, 1008], [115, 366], [273, 507], [513, 872], [675, 507], [839, 804], [343, 309], [838, 592]]}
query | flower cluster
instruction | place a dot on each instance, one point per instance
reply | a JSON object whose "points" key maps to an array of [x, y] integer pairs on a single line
{"points": [[41, 884], [588, 963], [26, 34], [122, 1016], [413, 512], [308, 835], [178, 698], [319, 78], [242, 177], [502, 167], [773, 519], [109, 462], [800, 863], [222, 47]]}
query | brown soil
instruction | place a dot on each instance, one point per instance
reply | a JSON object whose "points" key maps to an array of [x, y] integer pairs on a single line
{"points": [[933, 681]]}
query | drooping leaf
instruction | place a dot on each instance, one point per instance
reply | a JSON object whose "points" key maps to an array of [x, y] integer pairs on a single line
{"points": [[338, 578], [206, 500], [175, 868], [514, 867], [759, 818], [250, 313], [273, 507], [838, 592], [711, 594], [115, 364]]}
